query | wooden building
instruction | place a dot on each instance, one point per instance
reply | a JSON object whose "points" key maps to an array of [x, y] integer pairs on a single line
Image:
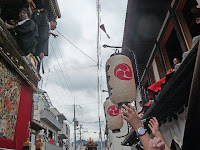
{"points": [[155, 33]]}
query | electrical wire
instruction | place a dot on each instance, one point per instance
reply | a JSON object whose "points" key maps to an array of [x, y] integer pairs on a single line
{"points": [[75, 97], [61, 72], [77, 48], [72, 69]]}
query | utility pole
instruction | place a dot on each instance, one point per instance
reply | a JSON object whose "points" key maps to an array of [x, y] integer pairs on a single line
{"points": [[98, 65], [74, 128], [80, 135], [100, 134]]}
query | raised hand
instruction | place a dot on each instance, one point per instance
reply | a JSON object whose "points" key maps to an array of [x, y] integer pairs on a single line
{"points": [[156, 144], [154, 125], [131, 116]]}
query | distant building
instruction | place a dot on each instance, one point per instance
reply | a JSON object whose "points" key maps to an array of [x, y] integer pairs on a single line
{"points": [[50, 123]]}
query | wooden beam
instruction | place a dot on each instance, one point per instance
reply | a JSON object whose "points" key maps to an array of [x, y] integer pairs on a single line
{"points": [[180, 5], [179, 32], [184, 29]]}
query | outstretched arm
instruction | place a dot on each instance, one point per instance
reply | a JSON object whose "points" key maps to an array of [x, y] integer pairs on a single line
{"points": [[154, 126], [131, 116]]}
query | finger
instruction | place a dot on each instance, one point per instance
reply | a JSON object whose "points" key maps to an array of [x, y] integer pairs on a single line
{"points": [[131, 107], [153, 142], [124, 112], [150, 127], [125, 107], [150, 143], [157, 140], [155, 120], [161, 145], [151, 123], [124, 117]]}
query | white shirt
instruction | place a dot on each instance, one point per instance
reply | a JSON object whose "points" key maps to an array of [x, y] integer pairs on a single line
{"points": [[22, 22]]}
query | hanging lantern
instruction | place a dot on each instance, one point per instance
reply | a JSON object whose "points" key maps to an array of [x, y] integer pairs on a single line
{"points": [[113, 118], [120, 79]]}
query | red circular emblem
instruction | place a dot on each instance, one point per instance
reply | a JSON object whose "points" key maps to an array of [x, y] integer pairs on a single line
{"points": [[123, 72], [113, 110]]}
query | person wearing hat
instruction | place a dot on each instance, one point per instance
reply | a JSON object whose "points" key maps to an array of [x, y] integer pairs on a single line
{"points": [[25, 31]]}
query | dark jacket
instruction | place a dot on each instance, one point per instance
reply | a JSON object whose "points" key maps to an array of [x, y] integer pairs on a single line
{"points": [[26, 36], [42, 22]]}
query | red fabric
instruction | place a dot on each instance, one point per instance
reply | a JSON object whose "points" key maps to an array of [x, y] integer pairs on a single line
{"points": [[148, 104], [51, 141], [24, 116], [4, 143], [157, 86]]}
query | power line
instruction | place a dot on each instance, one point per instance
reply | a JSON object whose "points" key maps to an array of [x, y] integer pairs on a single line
{"points": [[66, 72], [73, 68], [61, 72], [78, 48]]}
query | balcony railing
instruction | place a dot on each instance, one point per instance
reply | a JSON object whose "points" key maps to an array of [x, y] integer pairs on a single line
{"points": [[50, 118], [63, 134]]}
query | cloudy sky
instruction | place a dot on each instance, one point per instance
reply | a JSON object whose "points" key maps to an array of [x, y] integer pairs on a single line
{"points": [[70, 76]]}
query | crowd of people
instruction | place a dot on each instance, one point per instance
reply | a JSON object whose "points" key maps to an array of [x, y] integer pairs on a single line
{"points": [[32, 33]]}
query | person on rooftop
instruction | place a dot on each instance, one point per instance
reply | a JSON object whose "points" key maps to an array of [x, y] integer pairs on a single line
{"points": [[25, 32]]}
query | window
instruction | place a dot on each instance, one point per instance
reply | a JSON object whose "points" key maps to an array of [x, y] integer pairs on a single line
{"points": [[160, 65], [145, 84], [170, 46], [187, 13], [51, 135], [151, 74]]}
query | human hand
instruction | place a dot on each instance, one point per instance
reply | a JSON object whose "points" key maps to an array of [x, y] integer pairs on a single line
{"points": [[8, 26], [154, 125], [131, 116], [156, 144], [41, 56], [54, 35]]}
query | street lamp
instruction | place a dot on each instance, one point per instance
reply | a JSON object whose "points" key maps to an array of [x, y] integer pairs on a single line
{"points": [[115, 47], [104, 91], [105, 46]]}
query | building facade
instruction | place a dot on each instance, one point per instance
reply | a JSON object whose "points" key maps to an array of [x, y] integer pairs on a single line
{"points": [[18, 75], [157, 32], [55, 131]]}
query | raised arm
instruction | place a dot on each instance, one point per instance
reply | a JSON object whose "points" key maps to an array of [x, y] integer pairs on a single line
{"points": [[131, 116], [154, 126]]}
